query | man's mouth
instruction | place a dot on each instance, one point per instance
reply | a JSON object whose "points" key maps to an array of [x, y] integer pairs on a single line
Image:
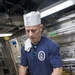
{"points": [[32, 38]]}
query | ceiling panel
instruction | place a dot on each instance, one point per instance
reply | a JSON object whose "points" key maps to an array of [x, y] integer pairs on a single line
{"points": [[11, 12]]}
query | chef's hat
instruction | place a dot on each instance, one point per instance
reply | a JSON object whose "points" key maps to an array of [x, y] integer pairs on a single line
{"points": [[32, 19]]}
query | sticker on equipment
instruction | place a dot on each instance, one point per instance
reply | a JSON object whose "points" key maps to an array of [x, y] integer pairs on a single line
{"points": [[41, 55]]}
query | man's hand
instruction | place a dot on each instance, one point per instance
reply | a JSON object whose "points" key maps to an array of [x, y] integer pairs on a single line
{"points": [[57, 71], [22, 70]]}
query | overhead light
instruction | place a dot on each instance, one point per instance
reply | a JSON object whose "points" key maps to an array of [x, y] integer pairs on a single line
{"points": [[6, 34], [54, 9]]}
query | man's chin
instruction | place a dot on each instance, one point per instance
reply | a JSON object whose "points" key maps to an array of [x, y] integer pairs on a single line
{"points": [[34, 42], [32, 39]]}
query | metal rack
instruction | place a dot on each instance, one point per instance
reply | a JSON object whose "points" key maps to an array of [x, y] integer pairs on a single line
{"points": [[6, 63], [69, 65]]}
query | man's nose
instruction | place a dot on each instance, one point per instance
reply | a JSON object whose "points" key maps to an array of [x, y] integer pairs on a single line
{"points": [[30, 33]]}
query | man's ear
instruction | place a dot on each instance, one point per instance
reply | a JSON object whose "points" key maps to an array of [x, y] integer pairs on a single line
{"points": [[41, 27]]}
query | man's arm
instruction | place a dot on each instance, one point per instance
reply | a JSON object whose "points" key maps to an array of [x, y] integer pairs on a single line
{"points": [[22, 70], [57, 71]]}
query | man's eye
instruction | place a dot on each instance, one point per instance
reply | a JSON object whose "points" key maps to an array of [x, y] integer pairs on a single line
{"points": [[27, 31], [33, 30], [30, 31]]}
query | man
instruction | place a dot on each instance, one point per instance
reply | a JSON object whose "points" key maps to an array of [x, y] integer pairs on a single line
{"points": [[40, 54]]}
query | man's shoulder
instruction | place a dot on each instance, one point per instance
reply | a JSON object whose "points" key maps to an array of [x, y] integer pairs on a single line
{"points": [[49, 41], [45, 38], [22, 48]]}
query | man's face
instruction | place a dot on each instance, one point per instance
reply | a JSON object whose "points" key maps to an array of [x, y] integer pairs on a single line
{"points": [[34, 33]]}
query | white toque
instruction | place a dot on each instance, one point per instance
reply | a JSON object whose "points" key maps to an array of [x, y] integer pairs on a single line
{"points": [[32, 19], [28, 45]]}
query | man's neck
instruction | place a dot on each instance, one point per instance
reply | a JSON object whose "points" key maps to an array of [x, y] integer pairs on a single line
{"points": [[37, 41]]}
